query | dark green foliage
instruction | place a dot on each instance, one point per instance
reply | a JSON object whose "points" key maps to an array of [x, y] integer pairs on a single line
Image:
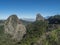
{"points": [[2, 21], [54, 19], [34, 31], [49, 33], [37, 28], [1, 29], [53, 37]]}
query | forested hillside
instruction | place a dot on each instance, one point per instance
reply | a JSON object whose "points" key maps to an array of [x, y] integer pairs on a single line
{"points": [[39, 32]]}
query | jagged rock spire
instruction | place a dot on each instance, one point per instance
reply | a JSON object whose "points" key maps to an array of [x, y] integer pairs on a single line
{"points": [[14, 27], [39, 17]]}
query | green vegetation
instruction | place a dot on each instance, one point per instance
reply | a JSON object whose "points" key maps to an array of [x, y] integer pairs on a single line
{"points": [[34, 31], [54, 19], [1, 29], [38, 32], [53, 38]]}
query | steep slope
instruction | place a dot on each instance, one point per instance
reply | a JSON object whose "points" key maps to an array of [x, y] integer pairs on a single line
{"points": [[36, 33], [54, 19], [39, 17], [14, 27], [49, 38]]}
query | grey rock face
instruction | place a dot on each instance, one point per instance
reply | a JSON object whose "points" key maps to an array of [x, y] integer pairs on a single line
{"points": [[39, 17], [14, 28]]}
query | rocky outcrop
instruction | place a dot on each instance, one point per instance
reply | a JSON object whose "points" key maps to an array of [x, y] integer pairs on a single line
{"points": [[14, 27], [39, 17]]}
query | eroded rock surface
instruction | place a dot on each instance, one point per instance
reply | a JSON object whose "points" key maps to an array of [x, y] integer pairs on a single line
{"points": [[39, 17], [14, 27]]}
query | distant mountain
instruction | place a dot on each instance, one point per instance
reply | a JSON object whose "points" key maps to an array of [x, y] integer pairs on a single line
{"points": [[25, 21], [2, 22], [28, 19], [54, 19]]}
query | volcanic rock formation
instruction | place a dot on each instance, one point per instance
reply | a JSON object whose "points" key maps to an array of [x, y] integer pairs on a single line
{"points": [[14, 27], [39, 17]]}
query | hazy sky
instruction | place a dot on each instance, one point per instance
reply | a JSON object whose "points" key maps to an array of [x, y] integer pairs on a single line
{"points": [[29, 8]]}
